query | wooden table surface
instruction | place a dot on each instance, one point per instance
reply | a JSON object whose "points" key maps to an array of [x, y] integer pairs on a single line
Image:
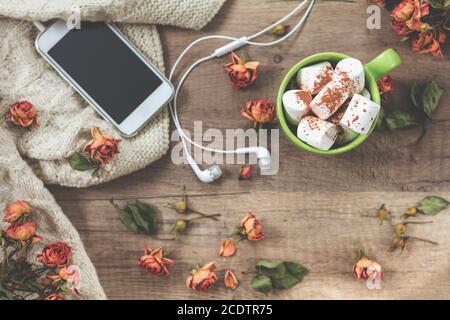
{"points": [[316, 210]]}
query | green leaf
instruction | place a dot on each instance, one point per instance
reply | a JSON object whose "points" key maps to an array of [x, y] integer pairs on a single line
{"points": [[286, 282], [262, 283], [96, 173], [80, 163], [268, 264], [126, 217], [400, 119], [431, 96], [416, 94], [273, 269], [149, 214], [296, 269], [432, 205], [140, 221]]}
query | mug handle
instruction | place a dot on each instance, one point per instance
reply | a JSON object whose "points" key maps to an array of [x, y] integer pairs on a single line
{"points": [[384, 64]]}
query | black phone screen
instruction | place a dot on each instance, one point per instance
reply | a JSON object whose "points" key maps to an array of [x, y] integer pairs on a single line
{"points": [[106, 68]]}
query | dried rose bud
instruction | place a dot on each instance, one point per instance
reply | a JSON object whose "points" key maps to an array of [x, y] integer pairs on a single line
{"points": [[400, 229], [410, 212], [242, 74], [398, 243], [246, 172], [280, 30], [227, 249], [24, 114], [230, 280], [383, 214], [259, 111], [180, 226]]}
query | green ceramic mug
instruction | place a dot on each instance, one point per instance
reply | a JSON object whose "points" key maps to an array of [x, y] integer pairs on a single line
{"points": [[382, 65]]}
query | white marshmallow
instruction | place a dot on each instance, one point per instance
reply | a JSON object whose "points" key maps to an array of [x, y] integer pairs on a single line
{"points": [[296, 104], [314, 78], [345, 136], [365, 93], [361, 114], [330, 99], [351, 70], [317, 133]]}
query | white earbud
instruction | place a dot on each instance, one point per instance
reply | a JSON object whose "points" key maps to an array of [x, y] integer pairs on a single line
{"points": [[209, 175], [263, 155]]}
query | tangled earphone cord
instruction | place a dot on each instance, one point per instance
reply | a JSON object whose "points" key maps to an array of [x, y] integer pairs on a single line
{"points": [[244, 41]]}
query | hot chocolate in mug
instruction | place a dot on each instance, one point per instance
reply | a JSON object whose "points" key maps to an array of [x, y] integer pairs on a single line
{"points": [[382, 65]]}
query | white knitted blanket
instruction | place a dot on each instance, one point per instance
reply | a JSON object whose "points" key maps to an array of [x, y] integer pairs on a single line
{"points": [[64, 118]]}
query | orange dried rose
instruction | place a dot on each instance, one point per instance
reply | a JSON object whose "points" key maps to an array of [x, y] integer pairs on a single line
{"points": [[227, 249], [203, 278], [252, 227], [230, 280], [55, 296], [385, 85], [429, 42], [55, 255], [16, 210], [367, 269], [410, 12], [154, 262], [260, 111], [242, 74], [102, 147], [24, 114], [21, 231]]}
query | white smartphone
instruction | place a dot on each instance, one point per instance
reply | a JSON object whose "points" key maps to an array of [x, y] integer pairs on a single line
{"points": [[108, 71]]}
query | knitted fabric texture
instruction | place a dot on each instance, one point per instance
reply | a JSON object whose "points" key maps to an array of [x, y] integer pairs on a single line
{"points": [[65, 119]]}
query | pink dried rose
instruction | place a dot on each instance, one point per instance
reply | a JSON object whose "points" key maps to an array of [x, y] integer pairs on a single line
{"points": [[24, 114], [102, 147], [242, 74], [246, 172], [202, 279], [56, 254], [55, 296], [155, 263], [230, 280], [227, 249], [367, 269]]}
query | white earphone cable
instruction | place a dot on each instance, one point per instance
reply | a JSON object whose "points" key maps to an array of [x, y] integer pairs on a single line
{"points": [[173, 105]]}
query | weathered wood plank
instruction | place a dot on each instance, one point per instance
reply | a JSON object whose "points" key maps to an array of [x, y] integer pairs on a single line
{"points": [[320, 230]]}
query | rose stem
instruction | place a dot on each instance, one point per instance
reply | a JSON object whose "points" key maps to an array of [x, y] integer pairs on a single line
{"points": [[424, 240], [205, 217]]}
